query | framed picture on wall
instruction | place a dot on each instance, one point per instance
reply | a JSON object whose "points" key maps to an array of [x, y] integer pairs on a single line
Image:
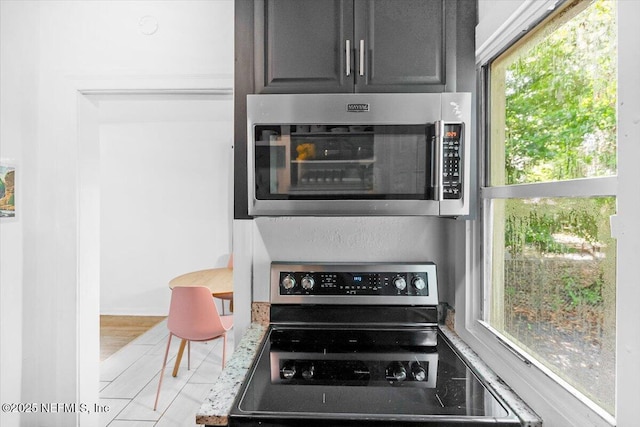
{"points": [[7, 190]]}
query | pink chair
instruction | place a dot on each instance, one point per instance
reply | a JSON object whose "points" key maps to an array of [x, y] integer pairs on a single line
{"points": [[193, 316]]}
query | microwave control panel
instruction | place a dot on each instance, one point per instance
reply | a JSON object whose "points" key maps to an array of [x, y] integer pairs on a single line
{"points": [[452, 161]]}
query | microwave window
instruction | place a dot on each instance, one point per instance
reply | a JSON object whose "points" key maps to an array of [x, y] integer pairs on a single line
{"points": [[310, 161]]}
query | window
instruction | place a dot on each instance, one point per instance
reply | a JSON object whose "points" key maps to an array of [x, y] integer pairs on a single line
{"points": [[550, 282]]}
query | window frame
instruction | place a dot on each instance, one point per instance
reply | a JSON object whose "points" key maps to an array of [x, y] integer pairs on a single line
{"points": [[548, 394]]}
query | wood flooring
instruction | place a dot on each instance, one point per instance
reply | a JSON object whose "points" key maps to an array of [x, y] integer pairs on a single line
{"points": [[118, 331], [129, 381]]}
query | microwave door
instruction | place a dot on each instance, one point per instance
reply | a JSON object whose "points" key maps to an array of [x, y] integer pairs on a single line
{"points": [[403, 161], [272, 163], [280, 161]]}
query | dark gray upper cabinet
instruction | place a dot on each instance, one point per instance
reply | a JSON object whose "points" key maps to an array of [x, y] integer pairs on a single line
{"points": [[300, 46], [400, 45], [311, 46]]}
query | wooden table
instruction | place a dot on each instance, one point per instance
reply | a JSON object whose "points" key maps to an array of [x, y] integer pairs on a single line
{"points": [[220, 283], [218, 280]]}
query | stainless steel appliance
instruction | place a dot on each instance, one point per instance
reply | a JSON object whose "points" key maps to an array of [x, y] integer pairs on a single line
{"points": [[359, 344], [359, 154]]}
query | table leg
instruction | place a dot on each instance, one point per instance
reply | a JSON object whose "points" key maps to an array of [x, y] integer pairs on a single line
{"points": [[183, 343]]}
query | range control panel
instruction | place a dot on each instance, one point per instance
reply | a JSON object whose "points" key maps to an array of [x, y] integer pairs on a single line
{"points": [[338, 283], [354, 284]]}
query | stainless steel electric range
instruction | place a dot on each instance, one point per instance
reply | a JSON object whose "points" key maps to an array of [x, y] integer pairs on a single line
{"points": [[352, 345]]}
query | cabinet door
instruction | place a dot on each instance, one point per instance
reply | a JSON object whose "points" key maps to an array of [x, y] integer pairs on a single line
{"points": [[301, 46], [404, 46]]}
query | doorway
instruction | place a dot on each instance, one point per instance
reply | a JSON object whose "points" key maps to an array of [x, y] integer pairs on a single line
{"points": [[165, 195], [164, 125]]}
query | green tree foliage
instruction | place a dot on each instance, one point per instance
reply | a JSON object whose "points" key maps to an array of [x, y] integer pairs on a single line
{"points": [[560, 98], [533, 223], [561, 102]]}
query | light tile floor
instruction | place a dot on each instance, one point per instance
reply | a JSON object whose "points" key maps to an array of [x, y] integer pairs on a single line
{"points": [[129, 381]]}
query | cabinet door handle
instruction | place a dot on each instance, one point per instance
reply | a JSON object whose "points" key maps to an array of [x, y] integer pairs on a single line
{"points": [[361, 65], [347, 54]]}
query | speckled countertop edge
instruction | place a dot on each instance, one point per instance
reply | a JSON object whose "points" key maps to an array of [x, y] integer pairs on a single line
{"points": [[216, 407], [528, 418]]}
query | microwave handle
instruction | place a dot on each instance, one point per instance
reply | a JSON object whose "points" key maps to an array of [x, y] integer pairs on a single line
{"points": [[437, 162]]}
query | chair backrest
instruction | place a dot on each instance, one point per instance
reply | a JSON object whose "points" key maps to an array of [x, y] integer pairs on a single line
{"points": [[193, 314]]}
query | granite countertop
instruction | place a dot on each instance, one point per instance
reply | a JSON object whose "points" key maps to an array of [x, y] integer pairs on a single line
{"points": [[215, 409]]}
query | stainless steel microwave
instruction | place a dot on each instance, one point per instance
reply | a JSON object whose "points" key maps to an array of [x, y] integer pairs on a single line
{"points": [[359, 154]]}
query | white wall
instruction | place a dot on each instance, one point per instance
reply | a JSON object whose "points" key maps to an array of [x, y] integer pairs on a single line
{"points": [[17, 86], [491, 16], [50, 52], [165, 168]]}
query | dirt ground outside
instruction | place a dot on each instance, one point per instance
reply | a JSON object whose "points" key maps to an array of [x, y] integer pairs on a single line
{"points": [[563, 312]]}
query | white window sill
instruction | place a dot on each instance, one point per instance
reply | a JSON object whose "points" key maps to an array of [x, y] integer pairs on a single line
{"points": [[558, 403]]}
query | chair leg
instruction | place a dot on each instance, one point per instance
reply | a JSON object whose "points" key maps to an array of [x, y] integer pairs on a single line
{"points": [[179, 357], [164, 362], [188, 355], [224, 349]]}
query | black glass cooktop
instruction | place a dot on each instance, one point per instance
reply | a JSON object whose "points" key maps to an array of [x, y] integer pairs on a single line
{"points": [[357, 376]]}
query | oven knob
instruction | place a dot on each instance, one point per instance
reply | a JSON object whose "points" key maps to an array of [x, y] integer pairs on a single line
{"points": [[418, 283], [288, 282], [308, 372], [396, 372], [308, 282], [418, 372], [288, 371], [400, 283]]}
